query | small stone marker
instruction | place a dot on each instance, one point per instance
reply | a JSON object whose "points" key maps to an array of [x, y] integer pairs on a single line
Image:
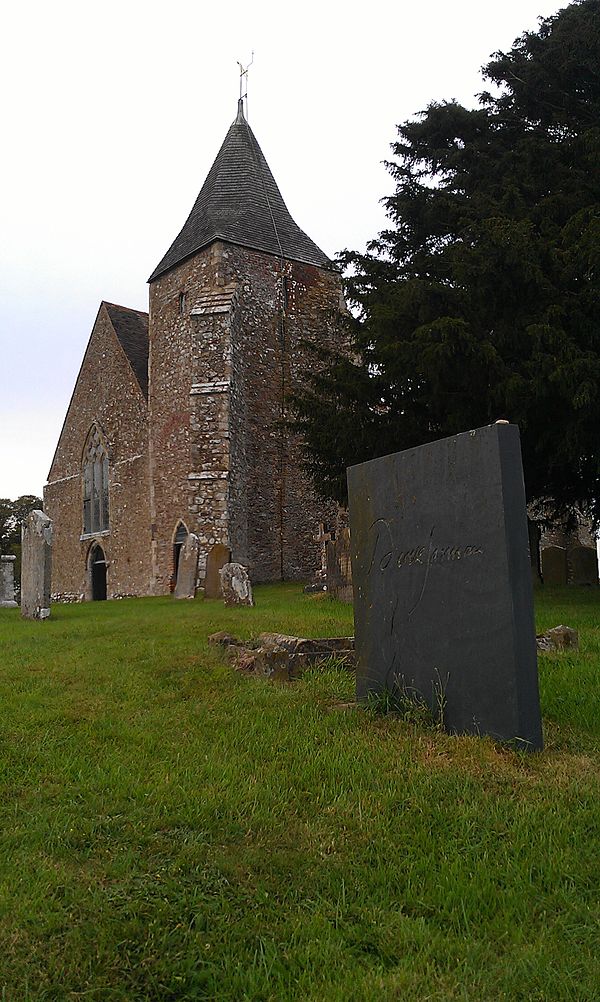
{"points": [[236, 586], [187, 568], [443, 599], [217, 557], [554, 565], [7, 582], [583, 562], [36, 565], [559, 638]]}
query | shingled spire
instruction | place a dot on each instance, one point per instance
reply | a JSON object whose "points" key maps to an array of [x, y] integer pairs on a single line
{"points": [[241, 204]]}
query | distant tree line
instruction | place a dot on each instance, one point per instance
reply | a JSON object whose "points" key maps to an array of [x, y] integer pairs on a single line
{"points": [[12, 514]]}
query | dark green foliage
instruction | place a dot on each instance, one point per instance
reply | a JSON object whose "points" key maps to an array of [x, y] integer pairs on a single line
{"points": [[482, 299], [12, 514]]}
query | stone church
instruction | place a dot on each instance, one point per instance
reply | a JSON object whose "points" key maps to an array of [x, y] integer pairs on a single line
{"points": [[175, 423]]}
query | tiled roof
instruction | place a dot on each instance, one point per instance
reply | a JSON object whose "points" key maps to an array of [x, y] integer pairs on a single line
{"points": [[131, 328], [241, 204]]}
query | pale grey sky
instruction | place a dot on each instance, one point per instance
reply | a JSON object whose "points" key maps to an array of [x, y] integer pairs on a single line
{"points": [[113, 112]]}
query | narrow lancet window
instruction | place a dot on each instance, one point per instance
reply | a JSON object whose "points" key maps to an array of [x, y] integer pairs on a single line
{"points": [[95, 485]]}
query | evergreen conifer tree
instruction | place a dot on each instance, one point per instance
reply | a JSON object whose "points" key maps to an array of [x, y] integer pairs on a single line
{"points": [[481, 300]]}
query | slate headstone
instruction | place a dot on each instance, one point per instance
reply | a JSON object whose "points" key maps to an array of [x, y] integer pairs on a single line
{"points": [[554, 565], [217, 557], [583, 562], [7, 582], [187, 568], [443, 598], [36, 565], [235, 582]]}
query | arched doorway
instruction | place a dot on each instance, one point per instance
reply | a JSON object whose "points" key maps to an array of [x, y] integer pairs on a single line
{"points": [[98, 572], [181, 534]]}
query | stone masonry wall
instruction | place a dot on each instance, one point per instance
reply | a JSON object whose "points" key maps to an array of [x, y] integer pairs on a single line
{"points": [[188, 412], [272, 501], [107, 393], [223, 353]]}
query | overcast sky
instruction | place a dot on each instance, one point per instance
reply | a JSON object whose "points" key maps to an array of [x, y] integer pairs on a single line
{"points": [[113, 112]]}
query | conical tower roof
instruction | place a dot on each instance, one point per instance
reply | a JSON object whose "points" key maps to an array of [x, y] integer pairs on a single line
{"points": [[241, 204]]}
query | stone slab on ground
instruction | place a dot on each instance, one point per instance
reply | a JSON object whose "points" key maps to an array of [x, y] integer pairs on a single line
{"points": [[187, 568], [283, 657], [559, 638], [224, 639], [443, 598], [36, 565]]}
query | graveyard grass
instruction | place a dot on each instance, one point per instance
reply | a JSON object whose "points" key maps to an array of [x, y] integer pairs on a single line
{"points": [[172, 830]]}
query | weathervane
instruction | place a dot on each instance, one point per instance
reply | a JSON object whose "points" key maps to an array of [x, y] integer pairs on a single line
{"points": [[244, 74]]}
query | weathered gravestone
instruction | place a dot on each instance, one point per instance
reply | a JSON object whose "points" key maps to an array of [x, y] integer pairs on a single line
{"points": [[7, 582], [36, 565], [554, 565], [443, 599], [236, 586], [187, 568], [217, 557], [339, 566], [583, 562]]}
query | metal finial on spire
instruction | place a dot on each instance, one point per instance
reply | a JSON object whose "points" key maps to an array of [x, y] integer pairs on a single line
{"points": [[244, 74]]}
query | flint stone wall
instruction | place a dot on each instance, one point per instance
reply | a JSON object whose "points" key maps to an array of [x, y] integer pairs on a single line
{"points": [[107, 394], [221, 363]]}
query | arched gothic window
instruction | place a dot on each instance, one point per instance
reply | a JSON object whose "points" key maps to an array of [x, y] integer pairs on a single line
{"points": [[95, 484]]}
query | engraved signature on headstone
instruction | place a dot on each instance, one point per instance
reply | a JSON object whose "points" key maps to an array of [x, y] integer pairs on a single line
{"points": [[387, 555], [426, 555]]}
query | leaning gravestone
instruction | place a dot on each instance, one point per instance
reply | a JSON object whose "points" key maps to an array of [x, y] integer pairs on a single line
{"points": [[236, 586], [554, 565], [217, 557], [187, 568], [583, 562], [36, 565], [443, 599], [7, 582]]}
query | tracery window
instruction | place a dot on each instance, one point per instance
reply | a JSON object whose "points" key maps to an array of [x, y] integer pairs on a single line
{"points": [[95, 484]]}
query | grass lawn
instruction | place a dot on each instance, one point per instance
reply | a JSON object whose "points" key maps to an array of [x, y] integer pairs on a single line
{"points": [[171, 830]]}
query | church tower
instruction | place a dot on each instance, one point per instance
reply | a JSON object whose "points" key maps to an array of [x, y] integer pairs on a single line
{"points": [[232, 302]]}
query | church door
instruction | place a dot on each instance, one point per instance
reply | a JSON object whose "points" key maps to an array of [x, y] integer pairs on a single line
{"points": [[98, 567], [178, 544]]}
